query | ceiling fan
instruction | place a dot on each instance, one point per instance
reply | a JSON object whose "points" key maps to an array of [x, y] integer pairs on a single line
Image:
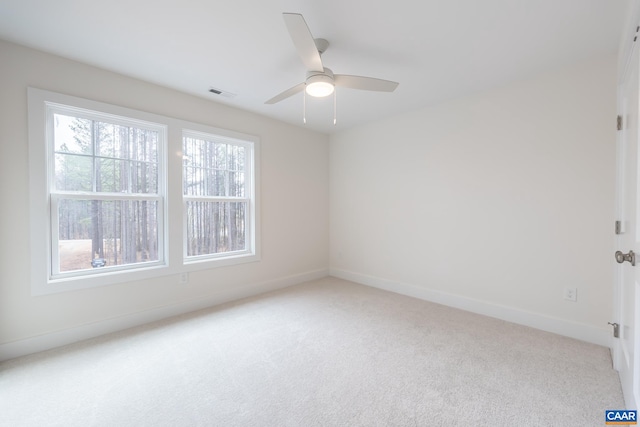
{"points": [[321, 81]]}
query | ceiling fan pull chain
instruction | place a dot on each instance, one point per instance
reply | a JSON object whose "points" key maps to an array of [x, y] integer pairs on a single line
{"points": [[334, 106], [304, 107]]}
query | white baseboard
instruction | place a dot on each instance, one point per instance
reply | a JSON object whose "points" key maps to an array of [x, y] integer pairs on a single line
{"points": [[68, 336], [543, 322]]}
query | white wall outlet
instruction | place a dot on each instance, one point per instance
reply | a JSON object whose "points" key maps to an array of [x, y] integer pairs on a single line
{"points": [[571, 294], [183, 278]]}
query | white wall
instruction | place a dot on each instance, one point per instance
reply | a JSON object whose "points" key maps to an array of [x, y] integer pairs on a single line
{"points": [[294, 195], [494, 203]]}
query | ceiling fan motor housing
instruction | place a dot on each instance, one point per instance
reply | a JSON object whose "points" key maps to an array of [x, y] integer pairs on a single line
{"points": [[320, 84]]}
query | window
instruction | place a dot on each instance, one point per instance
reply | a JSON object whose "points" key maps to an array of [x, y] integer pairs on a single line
{"points": [[106, 192], [217, 194], [118, 195]]}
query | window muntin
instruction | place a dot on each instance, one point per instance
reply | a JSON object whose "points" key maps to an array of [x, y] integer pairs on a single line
{"points": [[106, 201], [217, 194]]}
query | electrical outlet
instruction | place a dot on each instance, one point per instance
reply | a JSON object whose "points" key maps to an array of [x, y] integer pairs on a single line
{"points": [[183, 278], [571, 294]]}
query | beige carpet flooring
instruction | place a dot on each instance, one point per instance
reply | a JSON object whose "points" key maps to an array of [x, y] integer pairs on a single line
{"points": [[324, 353]]}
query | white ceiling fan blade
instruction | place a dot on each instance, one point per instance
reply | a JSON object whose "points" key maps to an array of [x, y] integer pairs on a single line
{"points": [[303, 41], [364, 83], [286, 94]]}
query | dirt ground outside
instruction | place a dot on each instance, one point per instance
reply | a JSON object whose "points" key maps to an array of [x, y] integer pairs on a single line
{"points": [[75, 254]]}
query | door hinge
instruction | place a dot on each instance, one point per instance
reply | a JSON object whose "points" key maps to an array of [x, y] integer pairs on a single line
{"points": [[619, 122], [616, 329], [618, 227]]}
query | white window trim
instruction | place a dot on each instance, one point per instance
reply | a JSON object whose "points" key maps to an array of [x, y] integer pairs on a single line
{"points": [[174, 263]]}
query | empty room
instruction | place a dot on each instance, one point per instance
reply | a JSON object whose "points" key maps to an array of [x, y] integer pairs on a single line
{"points": [[301, 213]]}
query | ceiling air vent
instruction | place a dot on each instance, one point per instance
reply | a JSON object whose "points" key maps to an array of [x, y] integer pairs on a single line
{"points": [[222, 93]]}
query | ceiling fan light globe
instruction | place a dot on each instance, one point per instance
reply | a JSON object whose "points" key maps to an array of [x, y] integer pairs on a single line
{"points": [[319, 89], [319, 86]]}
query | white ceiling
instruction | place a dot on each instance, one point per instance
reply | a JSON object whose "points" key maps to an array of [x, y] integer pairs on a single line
{"points": [[437, 50]]}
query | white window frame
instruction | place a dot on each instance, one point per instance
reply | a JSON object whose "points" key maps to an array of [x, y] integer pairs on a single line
{"points": [[57, 195], [249, 143], [173, 233]]}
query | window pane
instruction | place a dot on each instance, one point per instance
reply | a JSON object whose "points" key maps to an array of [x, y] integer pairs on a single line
{"points": [[124, 142], [215, 227], [204, 182], [144, 177], [204, 154], [100, 233], [126, 158], [213, 168], [110, 174], [113, 175], [73, 172], [236, 159], [72, 134], [236, 184]]}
